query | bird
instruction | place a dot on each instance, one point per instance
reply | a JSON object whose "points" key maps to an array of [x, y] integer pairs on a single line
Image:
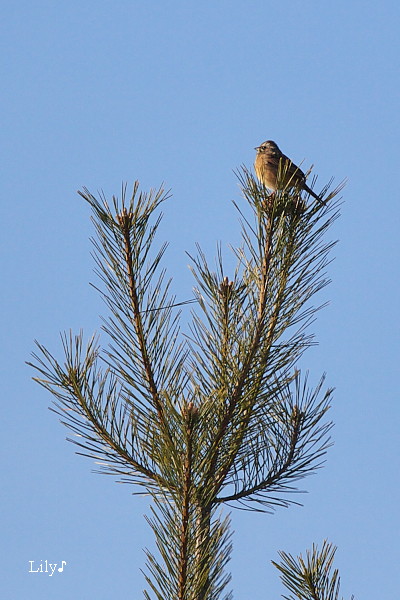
{"points": [[270, 161]]}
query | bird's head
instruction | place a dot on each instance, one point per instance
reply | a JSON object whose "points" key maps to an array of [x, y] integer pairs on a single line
{"points": [[268, 147]]}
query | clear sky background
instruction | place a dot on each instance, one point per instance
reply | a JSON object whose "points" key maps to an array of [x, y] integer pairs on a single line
{"points": [[96, 93]]}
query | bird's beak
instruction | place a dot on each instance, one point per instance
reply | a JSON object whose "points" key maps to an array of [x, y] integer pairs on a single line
{"points": [[256, 148]]}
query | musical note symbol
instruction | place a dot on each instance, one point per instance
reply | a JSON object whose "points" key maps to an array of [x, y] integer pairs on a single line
{"points": [[63, 562]]}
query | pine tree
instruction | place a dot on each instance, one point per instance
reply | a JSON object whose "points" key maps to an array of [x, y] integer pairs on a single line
{"points": [[221, 415]]}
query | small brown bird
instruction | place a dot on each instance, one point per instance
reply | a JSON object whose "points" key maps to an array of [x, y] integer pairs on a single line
{"points": [[268, 160]]}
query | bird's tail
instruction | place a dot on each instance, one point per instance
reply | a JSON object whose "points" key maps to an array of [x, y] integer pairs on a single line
{"points": [[313, 194]]}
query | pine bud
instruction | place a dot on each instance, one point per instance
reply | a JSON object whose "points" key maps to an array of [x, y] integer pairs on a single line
{"points": [[125, 218], [225, 286]]}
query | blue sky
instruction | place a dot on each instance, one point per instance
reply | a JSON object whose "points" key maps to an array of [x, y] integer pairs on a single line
{"points": [[96, 93]]}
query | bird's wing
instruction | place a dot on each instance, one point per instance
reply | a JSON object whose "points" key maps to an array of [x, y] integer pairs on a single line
{"points": [[293, 169], [273, 161]]}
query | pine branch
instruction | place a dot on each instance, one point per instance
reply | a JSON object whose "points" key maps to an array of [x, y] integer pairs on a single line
{"points": [[127, 427], [89, 402], [238, 352], [266, 232], [126, 221], [238, 389], [287, 443], [312, 578], [142, 326]]}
